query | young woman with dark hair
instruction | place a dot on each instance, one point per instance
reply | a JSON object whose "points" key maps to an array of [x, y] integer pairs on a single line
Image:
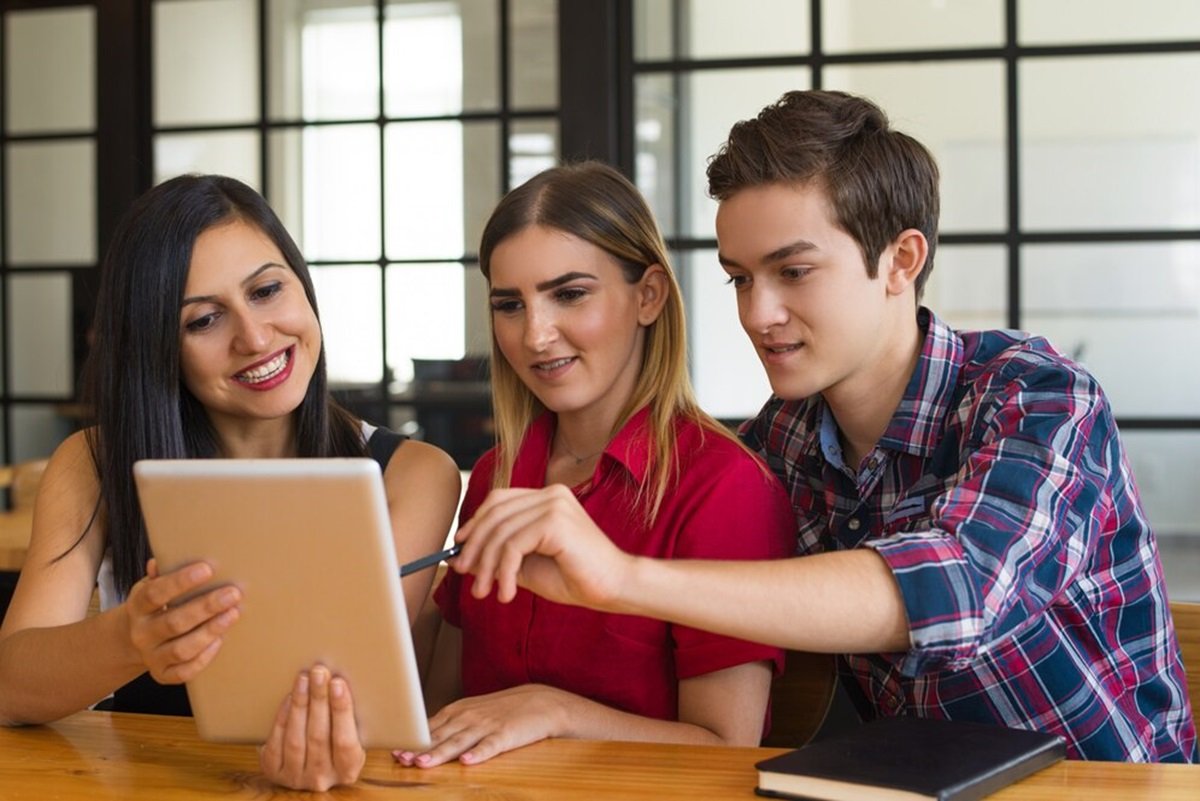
{"points": [[206, 344]]}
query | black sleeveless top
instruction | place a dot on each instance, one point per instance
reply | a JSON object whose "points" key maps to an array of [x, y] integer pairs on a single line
{"points": [[144, 694]]}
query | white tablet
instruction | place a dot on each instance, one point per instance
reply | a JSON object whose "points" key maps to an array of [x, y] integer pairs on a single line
{"points": [[309, 543]]}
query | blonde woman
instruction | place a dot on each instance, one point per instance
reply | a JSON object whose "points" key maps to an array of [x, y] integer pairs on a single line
{"points": [[597, 429]]}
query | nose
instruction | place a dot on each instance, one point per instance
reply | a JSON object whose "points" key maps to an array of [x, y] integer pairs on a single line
{"points": [[540, 329], [760, 309], [251, 334]]}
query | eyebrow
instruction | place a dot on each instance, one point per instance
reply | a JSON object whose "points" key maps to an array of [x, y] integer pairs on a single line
{"points": [[553, 283], [779, 254], [248, 279]]}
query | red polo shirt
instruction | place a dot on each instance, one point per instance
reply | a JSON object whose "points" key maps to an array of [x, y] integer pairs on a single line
{"points": [[725, 506]]}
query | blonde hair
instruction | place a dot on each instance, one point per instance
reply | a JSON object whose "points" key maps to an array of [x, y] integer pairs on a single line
{"points": [[597, 204]]}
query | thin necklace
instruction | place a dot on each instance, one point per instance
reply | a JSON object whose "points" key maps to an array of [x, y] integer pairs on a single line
{"points": [[578, 459]]}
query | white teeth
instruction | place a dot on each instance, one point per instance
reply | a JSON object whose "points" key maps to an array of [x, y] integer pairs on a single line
{"points": [[554, 365], [265, 371], [784, 349]]}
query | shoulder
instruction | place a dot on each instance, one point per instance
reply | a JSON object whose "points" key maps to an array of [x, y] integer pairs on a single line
{"points": [[422, 464], [72, 465]]}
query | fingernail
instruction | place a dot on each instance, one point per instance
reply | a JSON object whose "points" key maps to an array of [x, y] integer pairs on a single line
{"points": [[198, 573], [337, 688], [302, 683], [228, 596], [319, 677], [424, 759]]}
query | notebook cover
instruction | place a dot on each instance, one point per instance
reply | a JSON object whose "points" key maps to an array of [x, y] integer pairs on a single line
{"points": [[946, 760]]}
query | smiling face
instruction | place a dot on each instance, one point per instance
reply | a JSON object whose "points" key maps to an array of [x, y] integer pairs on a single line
{"points": [[569, 323], [249, 339], [818, 322]]}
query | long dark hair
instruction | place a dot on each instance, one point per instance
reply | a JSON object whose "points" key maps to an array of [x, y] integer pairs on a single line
{"points": [[132, 379]]}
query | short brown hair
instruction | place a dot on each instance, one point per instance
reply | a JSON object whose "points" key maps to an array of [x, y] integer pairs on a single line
{"points": [[879, 181]]}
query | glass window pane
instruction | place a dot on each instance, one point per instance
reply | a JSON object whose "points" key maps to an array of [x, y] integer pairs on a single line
{"points": [[348, 297], [1103, 305], [533, 58], [323, 59], [51, 76], [51, 202], [324, 185], [956, 109], [890, 25], [1094, 21], [433, 210], [205, 62], [532, 147], [713, 101], [440, 58], [653, 32], [232, 153], [40, 344], [968, 287], [1165, 465], [720, 29], [729, 378], [1084, 167], [654, 138], [37, 429], [425, 315]]}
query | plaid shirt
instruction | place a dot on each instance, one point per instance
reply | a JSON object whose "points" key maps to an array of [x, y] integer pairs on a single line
{"points": [[1001, 499]]}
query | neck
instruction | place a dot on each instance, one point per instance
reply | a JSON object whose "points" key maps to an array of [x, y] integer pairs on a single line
{"points": [[864, 404], [258, 439]]}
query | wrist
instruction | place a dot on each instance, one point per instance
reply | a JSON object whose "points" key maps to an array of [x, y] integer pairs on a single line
{"points": [[629, 595]]}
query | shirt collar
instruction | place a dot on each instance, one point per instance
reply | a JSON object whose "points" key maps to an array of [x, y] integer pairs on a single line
{"points": [[916, 427], [630, 448]]}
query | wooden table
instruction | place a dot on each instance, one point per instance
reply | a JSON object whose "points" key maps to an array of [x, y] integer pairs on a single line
{"points": [[98, 755], [15, 529]]}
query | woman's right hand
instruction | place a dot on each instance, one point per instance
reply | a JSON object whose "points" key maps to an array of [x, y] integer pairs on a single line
{"points": [[177, 642]]}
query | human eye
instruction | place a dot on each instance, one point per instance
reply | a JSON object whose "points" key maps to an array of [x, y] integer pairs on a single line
{"points": [[266, 291], [792, 272], [506, 305], [570, 294], [737, 281], [201, 323]]}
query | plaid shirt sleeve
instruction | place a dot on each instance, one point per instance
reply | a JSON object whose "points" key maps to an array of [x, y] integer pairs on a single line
{"points": [[1017, 522]]}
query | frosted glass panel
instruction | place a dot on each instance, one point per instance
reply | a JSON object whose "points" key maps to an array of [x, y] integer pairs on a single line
{"points": [[325, 188], [425, 315], [40, 350], [232, 153], [428, 211], [890, 25], [729, 378], [719, 98], [1074, 21], [968, 287], [37, 429], [51, 70], [348, 297], [1165, 465], [440, 58], [1108, 306], [532, 147], [957, 111], [1084, 167], [533, 60], [652, 29], [722, 29], [324, 59], [51, 202], [655, 140], [205, 62]]}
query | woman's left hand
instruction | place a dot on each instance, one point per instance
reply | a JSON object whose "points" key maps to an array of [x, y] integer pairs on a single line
{"points": [[476, 729], [314, 743]]}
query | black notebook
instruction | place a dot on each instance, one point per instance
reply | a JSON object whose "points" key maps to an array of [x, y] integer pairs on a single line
{"points": [[891, 759]]}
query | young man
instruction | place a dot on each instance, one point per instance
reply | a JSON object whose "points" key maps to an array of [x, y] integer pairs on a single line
{"points": [[972, 540]]}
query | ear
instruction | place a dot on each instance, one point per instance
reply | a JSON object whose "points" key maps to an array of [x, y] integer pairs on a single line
{"points": [[653, 287], [903, 260]]}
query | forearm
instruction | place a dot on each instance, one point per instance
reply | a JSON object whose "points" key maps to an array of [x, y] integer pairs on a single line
{"points": [[584, 719], [48, 673], [845, 602]]}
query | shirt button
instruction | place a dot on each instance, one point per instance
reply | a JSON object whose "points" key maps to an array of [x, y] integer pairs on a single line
{"points": [[873, 463], [854, 524]]}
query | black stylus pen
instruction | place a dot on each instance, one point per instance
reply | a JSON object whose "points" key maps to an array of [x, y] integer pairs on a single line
{"points": [[429, 561]]}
